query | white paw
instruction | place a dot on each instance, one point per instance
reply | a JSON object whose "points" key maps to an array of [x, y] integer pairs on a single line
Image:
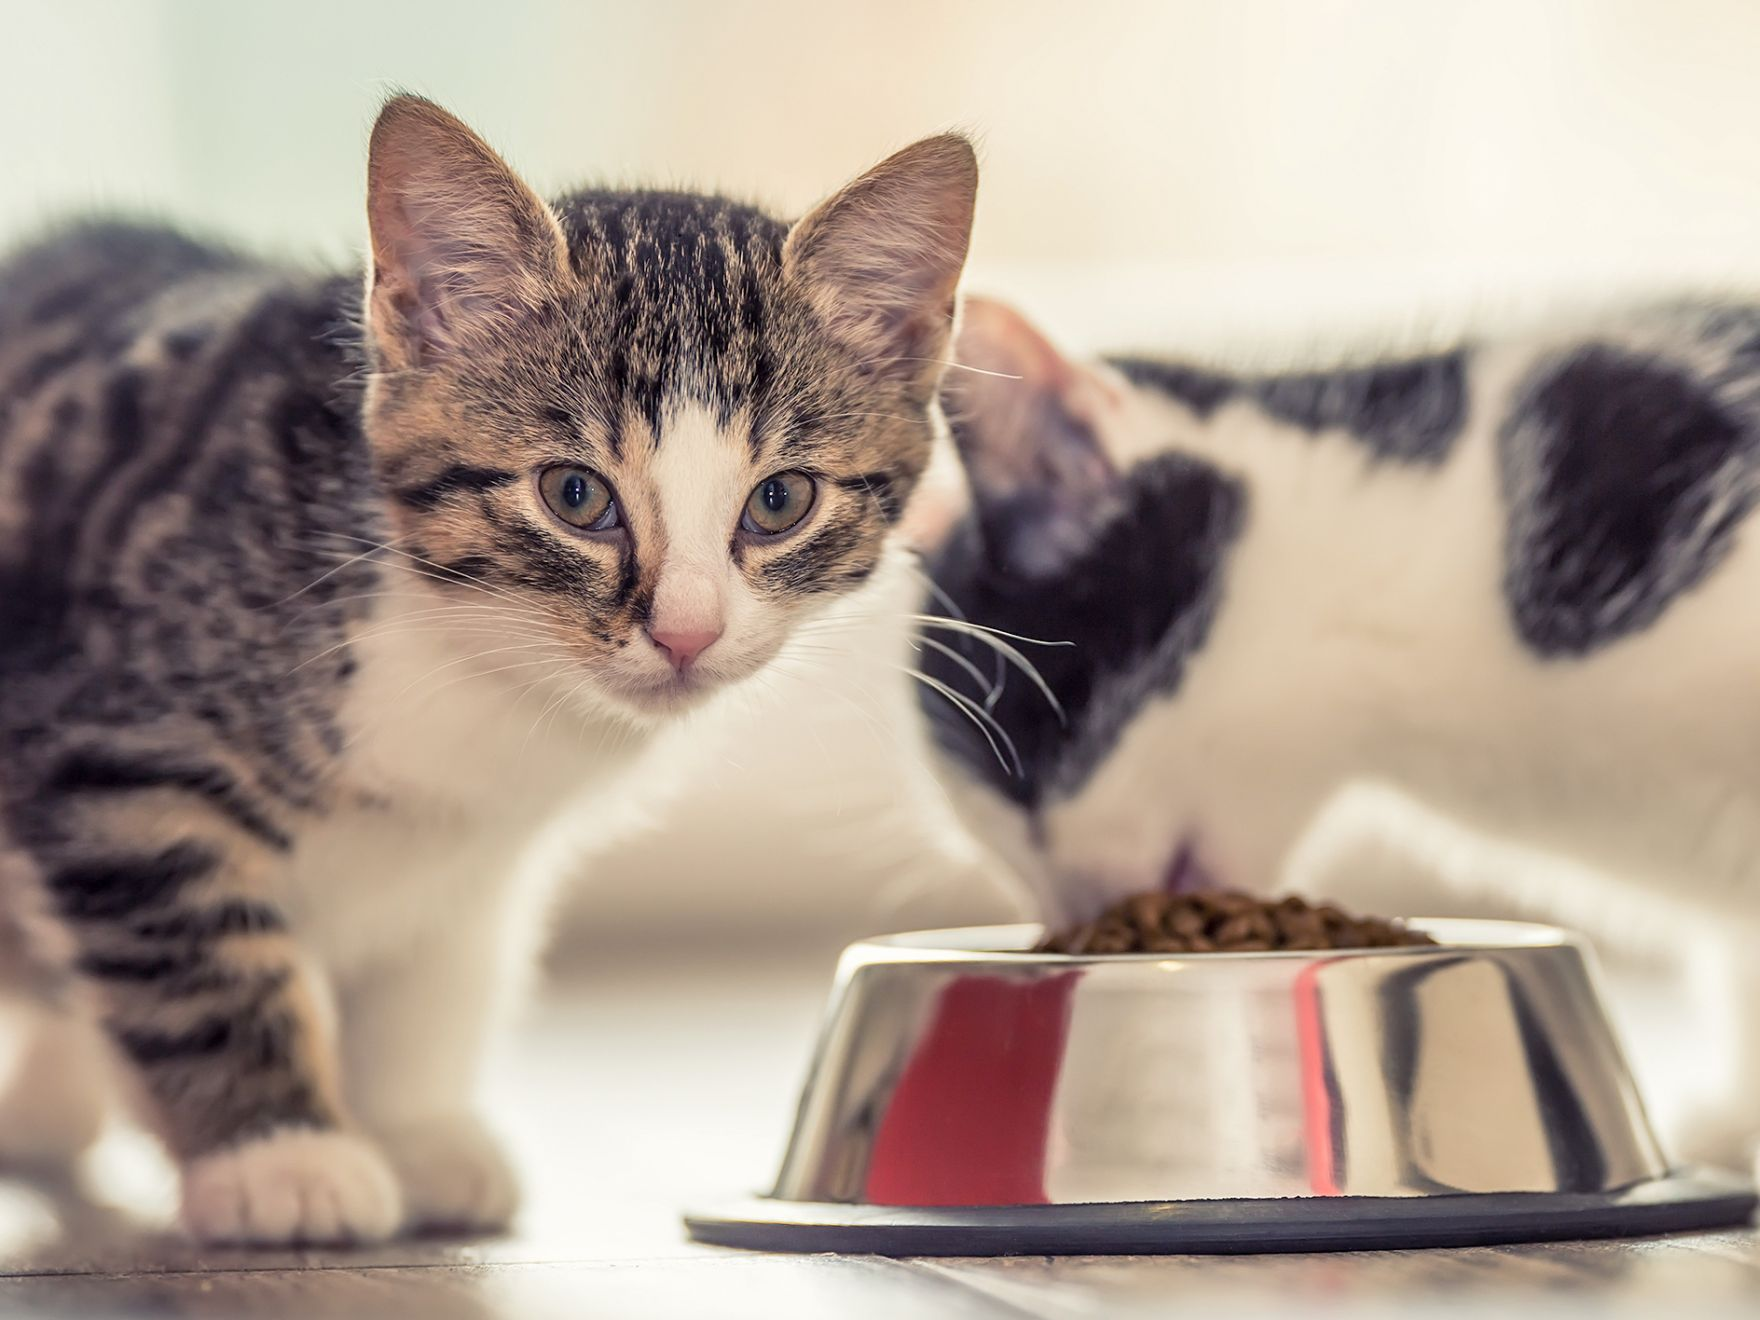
{"points": [[295, 1185], [453, 1173]]}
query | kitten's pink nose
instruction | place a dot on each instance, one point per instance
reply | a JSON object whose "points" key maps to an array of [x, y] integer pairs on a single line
{"points": [[684, 645]]}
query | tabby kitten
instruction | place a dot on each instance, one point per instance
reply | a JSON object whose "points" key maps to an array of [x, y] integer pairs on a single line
{"points": [[1482, 620], [305, 635]]}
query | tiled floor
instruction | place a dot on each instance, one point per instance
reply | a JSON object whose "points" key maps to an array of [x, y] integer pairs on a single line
{"points": [[640, 1087]]}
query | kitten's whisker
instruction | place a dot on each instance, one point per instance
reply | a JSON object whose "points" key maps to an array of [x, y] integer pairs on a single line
{"points": [[325, 576], [934, 589], [832, 625], [886, 416], [966, 625], [353, 597], [472, 609], [953, 609], [958, 623], [461, 616], [526, 689], [384, 714], [427, 571], [515, 604], [437, 571], [553, 704], [979, 717], [984, 371], [993, 638], [463, 660], [313, 659], [990, 693], [947, 363], [399, 627]]}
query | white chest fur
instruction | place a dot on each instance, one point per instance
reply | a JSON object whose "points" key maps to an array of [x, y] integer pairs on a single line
{"points": [[456, 765]]}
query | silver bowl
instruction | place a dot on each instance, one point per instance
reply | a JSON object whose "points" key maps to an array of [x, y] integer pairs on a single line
{"points": [[970, 1097]]}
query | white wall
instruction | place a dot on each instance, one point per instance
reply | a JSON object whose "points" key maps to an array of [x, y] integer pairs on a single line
{"points": [[1232, 174], [1229, 131]]}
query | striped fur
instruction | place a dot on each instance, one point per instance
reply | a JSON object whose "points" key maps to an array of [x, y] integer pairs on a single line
{"points": [[260, 546]]}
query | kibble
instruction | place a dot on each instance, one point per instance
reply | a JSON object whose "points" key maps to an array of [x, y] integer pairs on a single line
{"points": [[1224, 921]]}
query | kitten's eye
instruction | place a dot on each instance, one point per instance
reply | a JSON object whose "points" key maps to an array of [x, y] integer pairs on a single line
{"points": [[580, 497], [778, 503]]}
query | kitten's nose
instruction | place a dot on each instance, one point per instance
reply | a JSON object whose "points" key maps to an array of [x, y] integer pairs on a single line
{"points": [[681, 646]]}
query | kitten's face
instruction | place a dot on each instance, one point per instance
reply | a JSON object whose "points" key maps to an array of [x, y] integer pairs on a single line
{"points": [[656, 429], [1087, 536]]}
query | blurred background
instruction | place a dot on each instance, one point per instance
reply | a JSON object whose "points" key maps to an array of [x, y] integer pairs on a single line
{"points": [[1237, 177]]}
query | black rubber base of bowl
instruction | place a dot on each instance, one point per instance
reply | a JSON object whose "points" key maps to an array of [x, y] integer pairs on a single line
{"points": [[1686, 1199]]}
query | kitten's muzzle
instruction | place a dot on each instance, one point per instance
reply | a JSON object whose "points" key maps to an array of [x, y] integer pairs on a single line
{"points": [[681, 646]]}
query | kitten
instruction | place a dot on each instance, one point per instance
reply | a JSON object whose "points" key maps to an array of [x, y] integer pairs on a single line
{"points": [[307, 635], [1509, 586]]}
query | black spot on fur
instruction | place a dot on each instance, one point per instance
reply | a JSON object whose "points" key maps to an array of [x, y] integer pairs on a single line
{"points": [[1201, 390], [1626, 478], [1137, 605], [1407, 411], [1410, 411]]}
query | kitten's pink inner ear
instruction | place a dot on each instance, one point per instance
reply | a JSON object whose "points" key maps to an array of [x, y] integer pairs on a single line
{"points": [[1010, 395], [462, 248], [998, 342], [881, 259], [1022, 417]]}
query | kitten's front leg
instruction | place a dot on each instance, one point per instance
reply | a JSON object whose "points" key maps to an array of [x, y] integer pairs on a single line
{"points": [[203, 991], [414, 1036], [1376, 848]]}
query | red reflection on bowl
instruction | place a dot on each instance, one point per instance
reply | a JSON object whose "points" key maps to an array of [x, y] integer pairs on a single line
{"points": [[970, 1116], [1317, 1084]]}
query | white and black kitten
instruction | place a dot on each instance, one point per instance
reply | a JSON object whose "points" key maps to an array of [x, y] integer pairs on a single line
{"points": [[1508, 591], [307, 634]]}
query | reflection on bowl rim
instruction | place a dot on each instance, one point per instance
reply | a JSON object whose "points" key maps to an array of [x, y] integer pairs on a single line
{"points": [[987, 944]]}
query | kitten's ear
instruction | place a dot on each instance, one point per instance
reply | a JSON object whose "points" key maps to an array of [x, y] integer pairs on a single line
{"points": [[462, 248], [1025, 421], [881, 259]]}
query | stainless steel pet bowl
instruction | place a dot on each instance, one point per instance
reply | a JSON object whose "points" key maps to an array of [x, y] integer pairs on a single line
{"points": [[970, 1098]]}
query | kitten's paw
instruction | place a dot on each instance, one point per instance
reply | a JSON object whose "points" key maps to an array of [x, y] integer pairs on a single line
{"points": [[453, 1173], [295, 1185]]}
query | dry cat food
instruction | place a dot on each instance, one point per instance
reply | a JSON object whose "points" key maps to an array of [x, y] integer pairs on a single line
{"points": [[1222, 921]]}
